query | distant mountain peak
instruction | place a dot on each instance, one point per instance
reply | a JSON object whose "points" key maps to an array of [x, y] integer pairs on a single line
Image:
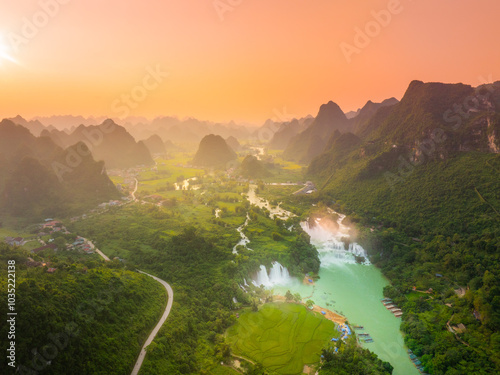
{"points": [[330, 106], [213, 151], [415, 83], [108, 122], [7, 122], [311, 142], [330, 112]]}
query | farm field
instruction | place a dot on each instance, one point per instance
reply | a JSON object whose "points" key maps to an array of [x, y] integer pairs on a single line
{"points": [[283, 337]]}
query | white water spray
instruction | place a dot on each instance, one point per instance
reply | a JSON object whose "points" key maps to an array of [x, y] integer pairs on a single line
{"points": [[329, 243], [277, 275]]}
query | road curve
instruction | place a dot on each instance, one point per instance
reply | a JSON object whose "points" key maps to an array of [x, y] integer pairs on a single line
{"points": [[135, 190], [164, 317]]}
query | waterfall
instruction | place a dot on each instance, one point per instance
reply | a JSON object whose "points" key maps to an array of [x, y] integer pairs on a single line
{"points": [[277, 275], [328, 241]]}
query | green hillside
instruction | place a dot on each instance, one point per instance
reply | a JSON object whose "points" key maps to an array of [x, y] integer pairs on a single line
{"points": [[430, 220], [86, 318]]}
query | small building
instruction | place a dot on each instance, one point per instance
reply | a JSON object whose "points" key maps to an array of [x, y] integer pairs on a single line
{"points": [[51, 270], [17, 241]]}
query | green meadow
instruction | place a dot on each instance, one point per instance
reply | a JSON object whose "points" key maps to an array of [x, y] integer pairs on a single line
{"points": [[284, 170], [281, 336]]}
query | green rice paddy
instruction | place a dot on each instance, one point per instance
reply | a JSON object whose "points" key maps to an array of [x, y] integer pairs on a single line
{"points": [[283, 337]]}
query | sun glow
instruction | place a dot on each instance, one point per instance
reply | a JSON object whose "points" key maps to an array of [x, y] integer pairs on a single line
{"points": [[4, 52]]}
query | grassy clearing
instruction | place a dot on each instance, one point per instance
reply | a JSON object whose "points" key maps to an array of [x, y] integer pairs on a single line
{"points": [[414, 296], [282, 337], [174, 168], [7, 232]]}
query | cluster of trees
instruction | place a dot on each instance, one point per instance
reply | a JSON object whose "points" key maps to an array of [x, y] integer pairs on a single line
{"points": [[87, 317], [350, 359], [196, 264], [304, 255], [437, 228]]}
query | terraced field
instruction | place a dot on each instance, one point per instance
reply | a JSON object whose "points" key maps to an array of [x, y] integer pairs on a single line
{"points": [[283, 337]]}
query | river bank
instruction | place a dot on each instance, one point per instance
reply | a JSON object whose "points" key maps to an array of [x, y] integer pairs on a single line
{"points": [[344, 285]]}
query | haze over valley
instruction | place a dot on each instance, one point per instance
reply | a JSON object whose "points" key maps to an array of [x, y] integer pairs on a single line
{"points": [[245, 188]]}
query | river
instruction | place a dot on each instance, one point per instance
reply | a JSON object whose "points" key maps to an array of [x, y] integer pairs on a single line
{"points": [[187, 185], [352, 289]]}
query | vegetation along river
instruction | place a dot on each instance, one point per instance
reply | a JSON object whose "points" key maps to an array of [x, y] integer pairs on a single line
{"points": [[345, 286]]}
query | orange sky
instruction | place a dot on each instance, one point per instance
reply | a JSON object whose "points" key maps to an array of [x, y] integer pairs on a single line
{"points": [[244, 64]]}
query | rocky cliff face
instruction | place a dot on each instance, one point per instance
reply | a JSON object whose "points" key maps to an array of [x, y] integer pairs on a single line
{"points": [[311, 142]]}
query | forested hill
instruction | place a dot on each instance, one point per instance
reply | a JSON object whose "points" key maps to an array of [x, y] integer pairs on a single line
{"points": [[39, 179], [287, 131], [252, 168], [109, 142], [423, 177], [213, 151], [369, 109], [85, 318], [467, 116], [309, 143]]}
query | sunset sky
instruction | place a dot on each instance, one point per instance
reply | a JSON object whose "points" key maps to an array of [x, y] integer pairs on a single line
{"points": [[245, 62]]}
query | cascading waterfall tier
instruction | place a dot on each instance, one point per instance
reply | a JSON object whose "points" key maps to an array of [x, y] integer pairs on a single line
{"points": [[331, 247], [277, 275]]}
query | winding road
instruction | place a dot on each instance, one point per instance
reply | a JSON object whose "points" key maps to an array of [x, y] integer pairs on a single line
{"points": [[164, 317], [135, 190], [162, 320]]}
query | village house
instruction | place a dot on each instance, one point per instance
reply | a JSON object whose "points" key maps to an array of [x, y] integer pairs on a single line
{"points": [[17, 241]]}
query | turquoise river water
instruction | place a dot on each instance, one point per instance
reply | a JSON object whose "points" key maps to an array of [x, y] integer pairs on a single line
{"points": [[349, 288]]}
